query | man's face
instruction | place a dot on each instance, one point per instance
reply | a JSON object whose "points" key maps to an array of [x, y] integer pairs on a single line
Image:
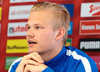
{"points": [[40, 34]]}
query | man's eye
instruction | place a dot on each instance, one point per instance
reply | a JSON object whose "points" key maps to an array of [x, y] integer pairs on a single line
{"points": [[28, 27], [37, 27]]}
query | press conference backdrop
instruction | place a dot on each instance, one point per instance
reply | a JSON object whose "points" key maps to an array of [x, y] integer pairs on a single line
{"points": [[83, 33]]}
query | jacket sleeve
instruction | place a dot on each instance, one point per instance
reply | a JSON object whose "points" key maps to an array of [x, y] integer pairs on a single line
{"points": [[48, 69], [82, 68], [12, 69], [14, 65]]}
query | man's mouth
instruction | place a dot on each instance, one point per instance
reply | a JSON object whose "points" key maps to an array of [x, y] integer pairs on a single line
{"points": [[32, 42]]}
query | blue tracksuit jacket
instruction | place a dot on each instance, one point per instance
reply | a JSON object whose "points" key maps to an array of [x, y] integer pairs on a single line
{"points": [[69, 59]]}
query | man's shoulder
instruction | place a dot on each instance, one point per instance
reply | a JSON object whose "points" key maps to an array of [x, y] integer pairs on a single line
{"points": [[77, 54], [14, 64], [84, 61], [74, 51]]}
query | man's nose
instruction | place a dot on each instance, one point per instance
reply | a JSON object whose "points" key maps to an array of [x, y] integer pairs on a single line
{"points": [[29, 35]]}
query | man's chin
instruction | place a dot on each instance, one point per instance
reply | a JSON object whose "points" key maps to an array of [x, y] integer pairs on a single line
{"points": [[30, 51], [36, 51]]}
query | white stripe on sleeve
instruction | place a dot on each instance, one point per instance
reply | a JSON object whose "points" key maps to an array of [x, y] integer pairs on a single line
{"points": [[17, 60], [84, 61]]}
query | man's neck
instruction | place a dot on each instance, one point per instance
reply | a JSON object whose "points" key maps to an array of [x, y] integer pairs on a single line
{"points": [[51, 54]]}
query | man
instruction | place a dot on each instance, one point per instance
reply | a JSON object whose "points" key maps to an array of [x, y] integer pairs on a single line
{"points": [[47, 28]]}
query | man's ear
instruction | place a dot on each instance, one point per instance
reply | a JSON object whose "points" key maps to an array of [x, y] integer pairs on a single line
{"points": [[60, 33]]}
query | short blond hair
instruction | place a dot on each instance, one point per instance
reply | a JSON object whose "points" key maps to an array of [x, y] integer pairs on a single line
{"points": [[61, 15]]}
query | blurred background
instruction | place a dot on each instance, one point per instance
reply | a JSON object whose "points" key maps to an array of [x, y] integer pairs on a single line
{"points": [[83, 33]]}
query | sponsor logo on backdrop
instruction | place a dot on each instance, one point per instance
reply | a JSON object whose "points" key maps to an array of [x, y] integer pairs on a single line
{"points": [[0, 13], [17, 46], [70, 29], [70, 8], [19, 12], [19, 1], [9, 61], [68, 42], [90, 44], [90, 9], [91, 27], [97, 60], [17, 29]]}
